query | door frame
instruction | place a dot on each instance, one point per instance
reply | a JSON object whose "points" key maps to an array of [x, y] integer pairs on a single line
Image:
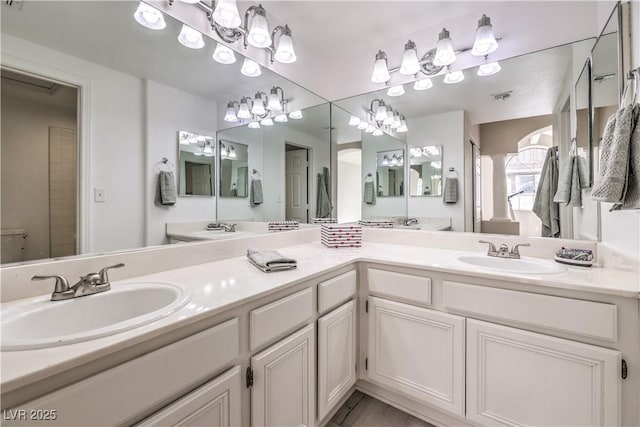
{"points": [[83, 86], [310, 174]]}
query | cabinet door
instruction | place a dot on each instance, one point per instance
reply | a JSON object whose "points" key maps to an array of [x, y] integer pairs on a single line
{"points": [[336, 356], [417, 352], [284, 381], [217, 403], [516, 377]]}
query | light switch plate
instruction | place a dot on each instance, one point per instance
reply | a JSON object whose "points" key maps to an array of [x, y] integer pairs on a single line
{"points": [[99, 195]]}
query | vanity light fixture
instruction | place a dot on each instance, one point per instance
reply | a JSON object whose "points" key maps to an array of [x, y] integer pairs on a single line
{"points": [[224, 55], [354, 121], [377, 132], [259, 30], [394, 160], [295, 115], [190, 38], [230, 115], [258, 105], [396, 121], [243, 110], [207, 150], [489, 69], [445, 55], [369, 128], [149, 17], [381, 112], [250, 68], [403, 125], [285, 53], [410, 64], [385, 117], [396, 90], [226, 13], [363, 125], [266, 121], [453, 77], [254, 125], [275, 102], [423, 84], [485, 42], [389, 119], [385, 160], [380, 69], [231, 152], [190, 1], [281, 118]]}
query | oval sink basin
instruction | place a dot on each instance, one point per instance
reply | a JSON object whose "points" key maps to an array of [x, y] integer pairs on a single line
{"points": [[40, 323], [521, 266]]}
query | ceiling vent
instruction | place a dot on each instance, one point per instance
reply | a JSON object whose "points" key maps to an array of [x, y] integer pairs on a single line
{"points": [[502, 96]]}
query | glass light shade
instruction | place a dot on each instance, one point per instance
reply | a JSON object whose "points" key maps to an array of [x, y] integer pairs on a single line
{"points": [[226, 14], [274, 102], [254, 125], [224, 55], [190, 38], [230, 115], [295, 115], [149, 17], [489, 69], [281, 118], [380, 70], [389, 118], [485, 42], [403, 126], [394, 160], [396, 122], [396, 90], [190, 1], [385, 161], [381, 113], [363, 125], [445, 55], [232, 153], [423, 84], [223, 151], [285, 53], [259, 32], [198, 153], [243, 111], [258, 107], [377, 132], [207, 150], [250, 68], [453, 77], [354, 121], [410, 65], [266, 122], [369, 128]]}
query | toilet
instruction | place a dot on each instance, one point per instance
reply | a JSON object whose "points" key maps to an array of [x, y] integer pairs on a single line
{"points": [[13, 243]]}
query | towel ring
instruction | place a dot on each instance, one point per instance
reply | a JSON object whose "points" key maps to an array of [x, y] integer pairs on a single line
{"points": [[166, 163], [452, 173], [368, 178], [256, 174]]}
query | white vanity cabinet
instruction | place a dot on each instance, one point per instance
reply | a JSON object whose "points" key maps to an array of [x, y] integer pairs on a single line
{"points": [[516, 377], [417, 352], [282, 393], [337, 336], [215, 404]]}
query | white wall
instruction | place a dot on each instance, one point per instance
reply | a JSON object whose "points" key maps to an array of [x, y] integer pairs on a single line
{"points": [[170, 110], [448, 130], [116, 141], [25, 168], [350, 195]]}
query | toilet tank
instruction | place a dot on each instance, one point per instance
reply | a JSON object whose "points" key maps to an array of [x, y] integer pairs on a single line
{"points": [[13, 243]]}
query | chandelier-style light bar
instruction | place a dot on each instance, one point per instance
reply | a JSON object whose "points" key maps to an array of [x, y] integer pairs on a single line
{"points": [[434, 60], [379, 118], [261, 110]]}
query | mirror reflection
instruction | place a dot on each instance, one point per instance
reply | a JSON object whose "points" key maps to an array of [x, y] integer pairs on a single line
{"points": [[390, 173], [196, 163], [583, 118], [234, 169], [425, 171]]}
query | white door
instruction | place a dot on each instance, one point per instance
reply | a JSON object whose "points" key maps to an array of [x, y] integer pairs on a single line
{"points": [[296, 185], [417, 352], [517, 377], [216, 404], [283, 382], [336, 356]]}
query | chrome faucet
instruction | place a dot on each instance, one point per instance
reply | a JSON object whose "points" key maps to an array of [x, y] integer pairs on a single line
{"points": [[503, 251], [410, 221], [88, 284], [228, 227]]}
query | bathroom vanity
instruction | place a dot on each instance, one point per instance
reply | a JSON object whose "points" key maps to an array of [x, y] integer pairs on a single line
{"points": [[409, 325]]}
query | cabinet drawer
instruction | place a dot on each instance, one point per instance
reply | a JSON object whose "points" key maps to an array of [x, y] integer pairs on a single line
{"points": [[336, 290], [119, 395], [578, 317], [405, 287], [274, 320]]}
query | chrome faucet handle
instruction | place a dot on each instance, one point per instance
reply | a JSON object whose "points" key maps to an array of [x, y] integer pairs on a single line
{"points": [[104, 277], [61, 290], [515, 252], [492, 247]]}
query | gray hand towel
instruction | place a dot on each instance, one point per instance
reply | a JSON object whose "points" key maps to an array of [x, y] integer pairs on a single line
{"points": [[369, 193], [614, 157], [572, 179], [269, 261], [323, 201], [543, 206], [256, 192], [631, 198], [166, 188], [450, 190]]}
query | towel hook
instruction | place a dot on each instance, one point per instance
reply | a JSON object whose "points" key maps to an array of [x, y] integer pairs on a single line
{"points": [[168, 163], [256, 174]]}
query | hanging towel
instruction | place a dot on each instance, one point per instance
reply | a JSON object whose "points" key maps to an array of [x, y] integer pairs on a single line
{"points": [[255, 198], [369, 193], [166, 189], [614, 157], [269, 261], [323, 200], [451, 190], [543, 206], [631, 199], [572, 179]]}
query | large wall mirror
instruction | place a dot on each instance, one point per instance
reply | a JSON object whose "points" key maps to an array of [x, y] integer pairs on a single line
{"points": [[390, 173], [234, 169], [582, 107], [496, 131], [105, 106]]}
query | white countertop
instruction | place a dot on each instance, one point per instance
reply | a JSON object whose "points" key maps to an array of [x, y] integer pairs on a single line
{"points": [[219, 286]]}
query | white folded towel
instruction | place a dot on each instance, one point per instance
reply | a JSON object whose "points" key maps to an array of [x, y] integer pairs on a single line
{"points": [[269, 261]]}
